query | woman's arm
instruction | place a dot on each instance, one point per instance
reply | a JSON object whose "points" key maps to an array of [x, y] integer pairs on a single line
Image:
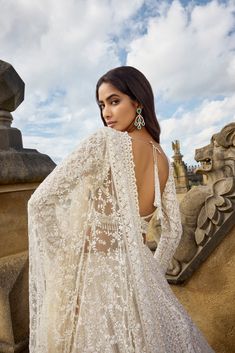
{"points": [[81, 166], [170, 224]]}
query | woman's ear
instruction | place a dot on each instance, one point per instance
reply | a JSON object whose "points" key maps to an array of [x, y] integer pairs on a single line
{"points": [[138, 105]]}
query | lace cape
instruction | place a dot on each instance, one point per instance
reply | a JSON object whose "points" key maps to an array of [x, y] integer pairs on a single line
{"points": [[94, 285]]}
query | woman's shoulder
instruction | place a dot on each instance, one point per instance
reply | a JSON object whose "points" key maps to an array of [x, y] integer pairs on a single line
{"points": [[101, 133], [91, 141], [106, 136]]}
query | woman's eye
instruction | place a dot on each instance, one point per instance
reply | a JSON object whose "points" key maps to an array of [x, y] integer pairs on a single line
{"points": [[114, 102]]}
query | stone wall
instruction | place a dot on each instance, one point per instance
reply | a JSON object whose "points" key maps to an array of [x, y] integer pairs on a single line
{"points": [[209, 296], [14, 315], [13, 217]]}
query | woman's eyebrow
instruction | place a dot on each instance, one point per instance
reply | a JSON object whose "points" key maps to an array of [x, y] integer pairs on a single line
{"points": [[109, 97]]}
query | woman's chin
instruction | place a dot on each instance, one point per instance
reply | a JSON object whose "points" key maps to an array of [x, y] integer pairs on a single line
{"points": [[115, 127]]}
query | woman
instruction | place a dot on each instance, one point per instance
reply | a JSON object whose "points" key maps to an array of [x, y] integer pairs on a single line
{"points": [[94, 284]]}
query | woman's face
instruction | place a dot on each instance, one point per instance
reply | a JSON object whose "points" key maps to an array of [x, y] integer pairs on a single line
{"points": [[118, 109]]}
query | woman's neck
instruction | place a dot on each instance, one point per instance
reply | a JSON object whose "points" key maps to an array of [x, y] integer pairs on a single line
{"points": [[141, 134]]}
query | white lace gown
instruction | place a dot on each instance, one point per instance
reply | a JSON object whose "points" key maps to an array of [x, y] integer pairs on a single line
{"points": [[95, 287]]}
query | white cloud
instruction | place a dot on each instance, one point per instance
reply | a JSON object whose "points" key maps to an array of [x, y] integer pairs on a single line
{"points": [[194, 128], [60, 49], [188, 52], [62, 44]]}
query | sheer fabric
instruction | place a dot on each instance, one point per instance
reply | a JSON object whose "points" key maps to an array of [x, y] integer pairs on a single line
{"points": [[95, 287]]}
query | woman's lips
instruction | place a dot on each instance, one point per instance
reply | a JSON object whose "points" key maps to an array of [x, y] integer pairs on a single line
{"points": [[111, 123]]}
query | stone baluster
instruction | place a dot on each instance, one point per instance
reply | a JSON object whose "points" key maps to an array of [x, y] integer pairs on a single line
{"points": [[21, 171]]}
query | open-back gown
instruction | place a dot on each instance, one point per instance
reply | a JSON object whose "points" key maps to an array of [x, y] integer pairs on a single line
{"points": [[95, 287]]}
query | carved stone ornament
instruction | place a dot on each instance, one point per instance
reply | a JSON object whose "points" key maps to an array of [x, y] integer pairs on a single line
{"points": [[17, 164], [180, 169], [207, 211], [11, 87]]}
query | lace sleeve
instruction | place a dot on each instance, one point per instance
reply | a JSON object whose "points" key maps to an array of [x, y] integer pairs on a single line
{"points": [[80, 166], [170, 224], [56, 232]]}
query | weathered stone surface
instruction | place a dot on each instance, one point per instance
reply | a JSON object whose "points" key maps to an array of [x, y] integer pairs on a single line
{"points": [[207, 212], [180, 170], [21, 171], [10, 270], [19, 303], [189, 212], [10, 137], [208, 296], [11, 87], [14, 306], [13, 218], [18, 164], [218, 158], [27, 165]]}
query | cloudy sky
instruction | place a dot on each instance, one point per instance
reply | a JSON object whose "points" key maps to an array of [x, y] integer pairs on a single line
{"points": [[61, 47]]}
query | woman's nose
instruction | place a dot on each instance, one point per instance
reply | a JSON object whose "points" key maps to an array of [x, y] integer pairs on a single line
{"points": [[106, 112]]}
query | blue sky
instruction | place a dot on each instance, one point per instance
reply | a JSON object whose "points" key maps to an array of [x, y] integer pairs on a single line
{"points": [[61, 47]]}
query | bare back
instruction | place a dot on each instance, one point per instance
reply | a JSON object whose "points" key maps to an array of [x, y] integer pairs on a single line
{"points": [[144, 172]]}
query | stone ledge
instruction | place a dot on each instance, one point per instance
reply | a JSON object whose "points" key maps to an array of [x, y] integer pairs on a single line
{"points": [[25, 166], [4, 189]]}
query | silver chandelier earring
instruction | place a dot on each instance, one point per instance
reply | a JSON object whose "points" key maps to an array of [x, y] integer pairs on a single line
{"points": [[139, 120]]}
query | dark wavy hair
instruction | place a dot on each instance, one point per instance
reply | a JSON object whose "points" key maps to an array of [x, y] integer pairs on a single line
{"points": [[133, 83]]}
